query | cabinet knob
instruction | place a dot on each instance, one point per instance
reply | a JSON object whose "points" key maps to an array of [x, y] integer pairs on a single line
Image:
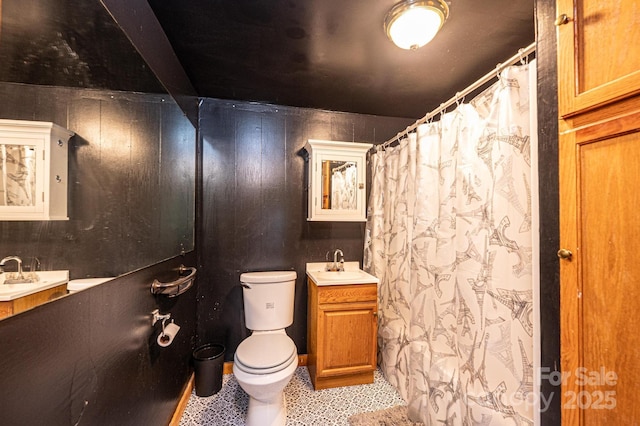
{"points": [[562, 19], [375, 314], [565, 254]]}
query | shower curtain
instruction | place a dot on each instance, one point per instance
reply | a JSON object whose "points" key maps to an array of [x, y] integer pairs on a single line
{"points": [[343, 187], [449, 234], [17, 175]]}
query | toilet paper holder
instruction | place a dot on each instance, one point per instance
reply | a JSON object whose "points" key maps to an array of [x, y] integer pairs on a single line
{"points": [[159, 317], [164, 339]]}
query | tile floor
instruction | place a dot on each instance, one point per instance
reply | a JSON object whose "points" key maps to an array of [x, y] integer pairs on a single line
{"points": [[305, 406]]}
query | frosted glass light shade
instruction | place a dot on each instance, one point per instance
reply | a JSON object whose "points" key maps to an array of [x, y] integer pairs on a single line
{"points": [[412, 24]]}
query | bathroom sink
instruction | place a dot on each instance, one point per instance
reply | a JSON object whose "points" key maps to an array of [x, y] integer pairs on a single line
{"points": [[46, 280], [21, 278], [342, 275], [352, 274]]}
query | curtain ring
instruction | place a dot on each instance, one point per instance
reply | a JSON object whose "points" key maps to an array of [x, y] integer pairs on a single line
{"points": [[524, 60], [459, 99]]}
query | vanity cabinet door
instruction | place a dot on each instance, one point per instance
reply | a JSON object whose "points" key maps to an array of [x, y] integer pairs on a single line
{"points": [[348, 342], [342, 334]]}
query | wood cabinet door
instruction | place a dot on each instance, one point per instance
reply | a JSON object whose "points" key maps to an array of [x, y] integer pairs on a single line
{"points": [[348, 334], [600, 282], [598, 55]]}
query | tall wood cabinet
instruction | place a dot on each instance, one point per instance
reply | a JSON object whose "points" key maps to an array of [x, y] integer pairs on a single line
{"points": [[599, 163], [598, 60], [342, 334]]}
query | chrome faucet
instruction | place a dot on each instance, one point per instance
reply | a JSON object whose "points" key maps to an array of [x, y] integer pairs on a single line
{"points": [[17, 259], [335, 260]]}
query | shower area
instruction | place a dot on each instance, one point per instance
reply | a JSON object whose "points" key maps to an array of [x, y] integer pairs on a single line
{"points": [[452, 233]]}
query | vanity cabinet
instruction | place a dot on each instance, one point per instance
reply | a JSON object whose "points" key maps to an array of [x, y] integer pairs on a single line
{"points": [[33, 170], [342, 334], [21, 304], [337, 181]]}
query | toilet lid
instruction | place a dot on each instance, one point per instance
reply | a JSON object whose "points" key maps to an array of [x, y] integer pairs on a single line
{"points": [[265, 351], [268, 277]]}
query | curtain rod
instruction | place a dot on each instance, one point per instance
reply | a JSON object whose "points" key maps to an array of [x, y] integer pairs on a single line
{"points": [[520, 56]]}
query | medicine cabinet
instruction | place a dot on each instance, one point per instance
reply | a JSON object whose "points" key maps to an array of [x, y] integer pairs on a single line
{"points": [[337, 180], [33, 170]]}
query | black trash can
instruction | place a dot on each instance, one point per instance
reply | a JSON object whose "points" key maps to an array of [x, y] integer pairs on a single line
{"points": [[208, 361]]}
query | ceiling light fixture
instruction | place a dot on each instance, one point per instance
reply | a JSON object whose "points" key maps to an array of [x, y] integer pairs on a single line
{"points": [[411, 24]]}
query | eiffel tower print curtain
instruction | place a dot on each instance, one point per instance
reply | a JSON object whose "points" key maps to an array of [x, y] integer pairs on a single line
{"points": [[449, 234]]}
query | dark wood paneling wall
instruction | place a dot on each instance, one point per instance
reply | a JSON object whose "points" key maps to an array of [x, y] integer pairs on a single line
{"points": [[549, 208], [254, 205], [91, 358], [131, 181]]}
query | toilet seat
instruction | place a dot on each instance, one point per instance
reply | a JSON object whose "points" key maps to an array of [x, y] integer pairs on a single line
{"points": [[265, 353]]}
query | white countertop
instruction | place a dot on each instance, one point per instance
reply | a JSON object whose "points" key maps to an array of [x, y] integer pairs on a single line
{"points": [[48, 279], [352, 274]]}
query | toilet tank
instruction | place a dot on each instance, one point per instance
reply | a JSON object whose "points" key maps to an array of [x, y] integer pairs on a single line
{"points": [[268, 299]]}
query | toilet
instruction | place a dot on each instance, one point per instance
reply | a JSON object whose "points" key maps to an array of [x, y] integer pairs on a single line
{"points": [[266, 360]]}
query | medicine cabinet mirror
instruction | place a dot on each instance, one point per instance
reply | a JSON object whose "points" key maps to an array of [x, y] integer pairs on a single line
{"points": [[33, 170], [337, 180]]}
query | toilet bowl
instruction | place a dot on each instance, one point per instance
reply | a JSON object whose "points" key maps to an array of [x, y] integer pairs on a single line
{"points": [[265, 361], [263, 381]]}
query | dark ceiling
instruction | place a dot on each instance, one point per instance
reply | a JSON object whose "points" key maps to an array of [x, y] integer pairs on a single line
{"points": [[333, 54], [326, 54]]}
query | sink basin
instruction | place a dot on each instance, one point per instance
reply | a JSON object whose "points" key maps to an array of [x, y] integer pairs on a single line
{"points": [[341, 275], [351, 275], [25, 278], [46, 280]]}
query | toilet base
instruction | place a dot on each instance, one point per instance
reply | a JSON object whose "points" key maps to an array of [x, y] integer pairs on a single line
{"points": [[273, 413]]}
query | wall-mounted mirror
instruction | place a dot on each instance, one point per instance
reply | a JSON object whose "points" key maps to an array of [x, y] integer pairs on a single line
{"points": [[131, 170], [337, 180]]}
